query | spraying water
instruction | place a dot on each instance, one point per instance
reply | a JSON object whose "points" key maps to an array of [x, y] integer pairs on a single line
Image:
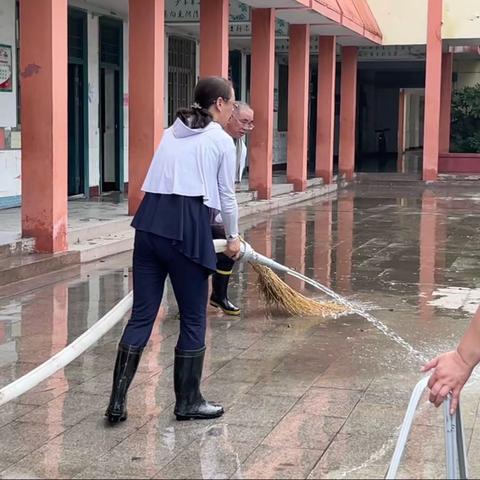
{"points": [[248, 254], [362, 313]]}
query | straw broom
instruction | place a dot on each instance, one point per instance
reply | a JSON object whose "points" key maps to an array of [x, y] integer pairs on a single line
{"points": [[278, 295]]}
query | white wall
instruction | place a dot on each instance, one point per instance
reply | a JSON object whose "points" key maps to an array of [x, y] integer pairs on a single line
{"points": [[93, 101], [10, 166], [8, 100], [401, 22], [461, 20], [10, 169], [404, 22], [468, 72]]}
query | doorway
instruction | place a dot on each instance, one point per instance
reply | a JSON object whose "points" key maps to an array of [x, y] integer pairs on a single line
{"points": [[379, 99], [77, 103], [109, 128], [410, 134], [111, 105]]}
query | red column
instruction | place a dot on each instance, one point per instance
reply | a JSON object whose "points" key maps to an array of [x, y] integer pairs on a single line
{"points": [[298, 82], [146, 72], [43, 76], [262, 82], [446, 102], [348, 106], [214, 38], [433, 80], [325, 108]]}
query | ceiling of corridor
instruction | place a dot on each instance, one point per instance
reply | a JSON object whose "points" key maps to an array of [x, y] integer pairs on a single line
{"points": [[350, 20]]}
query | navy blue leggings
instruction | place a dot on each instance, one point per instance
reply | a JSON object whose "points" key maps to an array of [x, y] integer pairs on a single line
{"points": [[154, 258]]}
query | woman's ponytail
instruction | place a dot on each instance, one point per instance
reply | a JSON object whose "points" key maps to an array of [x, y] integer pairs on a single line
{"points": [[195, 116], [206, 93]]}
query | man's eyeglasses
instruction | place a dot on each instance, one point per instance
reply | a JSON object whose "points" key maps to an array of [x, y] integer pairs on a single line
{"points": [[247, 124]]}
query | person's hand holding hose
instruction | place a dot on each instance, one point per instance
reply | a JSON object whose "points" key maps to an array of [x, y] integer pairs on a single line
{"points": [[233, 248], [451, 370]]}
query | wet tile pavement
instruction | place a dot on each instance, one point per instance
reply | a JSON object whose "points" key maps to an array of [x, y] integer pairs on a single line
{"points": [[304, 397]]}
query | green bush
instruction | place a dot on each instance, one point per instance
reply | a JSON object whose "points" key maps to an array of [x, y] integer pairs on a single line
{"points": [[466, 120]]}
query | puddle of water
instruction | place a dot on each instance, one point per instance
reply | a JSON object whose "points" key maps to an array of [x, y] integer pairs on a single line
{"points": [[455, 298]]}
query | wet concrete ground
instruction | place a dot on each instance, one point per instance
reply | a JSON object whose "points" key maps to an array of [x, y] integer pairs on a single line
{"points": [[304, 398]]}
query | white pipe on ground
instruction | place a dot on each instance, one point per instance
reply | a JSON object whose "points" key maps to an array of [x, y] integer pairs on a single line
{"points": [[108, 321], [77, 347], [68, 354]]}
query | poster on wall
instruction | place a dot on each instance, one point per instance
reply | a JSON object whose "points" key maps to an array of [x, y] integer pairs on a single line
{"points": [[5, 68]]}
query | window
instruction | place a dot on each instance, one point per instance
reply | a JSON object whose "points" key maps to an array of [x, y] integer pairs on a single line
{"points": [[181, 74], [282, 125]]}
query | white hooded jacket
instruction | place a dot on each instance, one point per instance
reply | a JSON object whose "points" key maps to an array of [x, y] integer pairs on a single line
{"points": [[197, 163]]}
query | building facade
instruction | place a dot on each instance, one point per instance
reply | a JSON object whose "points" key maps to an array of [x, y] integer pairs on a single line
{"points": [[87, 87]]}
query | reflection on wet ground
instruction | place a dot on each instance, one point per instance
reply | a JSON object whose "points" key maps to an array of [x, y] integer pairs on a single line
{"points": [[304, 397]]}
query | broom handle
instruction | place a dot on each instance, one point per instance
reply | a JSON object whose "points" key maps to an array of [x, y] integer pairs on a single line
{"points": [[248, 254]]}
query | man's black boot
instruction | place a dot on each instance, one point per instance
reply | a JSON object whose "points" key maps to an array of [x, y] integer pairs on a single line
{"points": [[219, 297]]}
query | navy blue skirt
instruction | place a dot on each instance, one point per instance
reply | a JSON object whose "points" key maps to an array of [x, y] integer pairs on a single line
{"points": [[185, 221]]}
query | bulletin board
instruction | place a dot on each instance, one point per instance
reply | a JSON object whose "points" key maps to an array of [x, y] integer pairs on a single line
{"points": [[6, 71]]}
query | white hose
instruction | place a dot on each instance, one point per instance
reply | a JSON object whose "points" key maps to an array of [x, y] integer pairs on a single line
{"points": [[82, 343], [406, 426], [68, 354]]}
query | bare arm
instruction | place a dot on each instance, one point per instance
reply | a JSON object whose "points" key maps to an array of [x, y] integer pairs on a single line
{"points": [[451, 370]]}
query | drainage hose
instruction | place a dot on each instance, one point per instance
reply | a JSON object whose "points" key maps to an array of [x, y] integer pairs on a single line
{"points": [[93, 334]]}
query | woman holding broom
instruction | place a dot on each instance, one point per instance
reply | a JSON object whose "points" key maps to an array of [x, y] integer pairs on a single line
{"points": [[192, 172]]}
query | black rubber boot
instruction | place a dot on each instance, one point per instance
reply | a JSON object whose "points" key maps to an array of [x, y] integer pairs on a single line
{"points": [[187, 373], [219, 297], [126, 365]]}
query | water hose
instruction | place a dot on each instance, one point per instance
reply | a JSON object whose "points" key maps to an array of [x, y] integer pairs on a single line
{"points": [[92, 335]]}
